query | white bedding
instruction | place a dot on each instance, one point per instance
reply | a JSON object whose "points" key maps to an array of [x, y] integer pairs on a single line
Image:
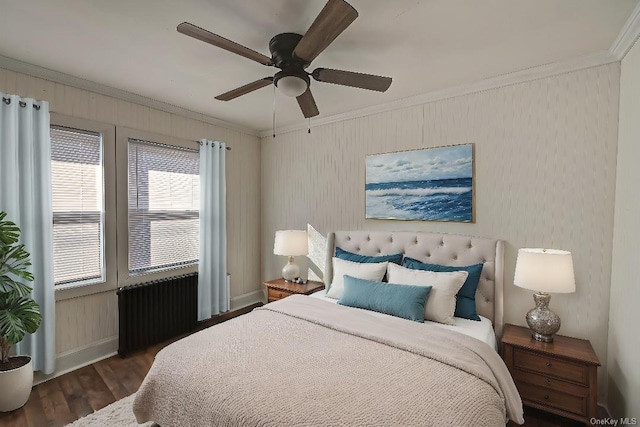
{"points": [[352, 368], [482, 330]]}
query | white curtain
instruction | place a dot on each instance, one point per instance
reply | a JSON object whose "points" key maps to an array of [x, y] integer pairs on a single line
{"points": [[25, 194], [213, 294]]}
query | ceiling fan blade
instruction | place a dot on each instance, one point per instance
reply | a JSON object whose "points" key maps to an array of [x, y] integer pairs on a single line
{"points": [[219, 41], [243, 90], [333, 19], [349, 78], [308, 104]]}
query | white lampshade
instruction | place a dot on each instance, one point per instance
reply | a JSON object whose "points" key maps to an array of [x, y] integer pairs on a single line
{"points": [[292, 86], [291, 243], [545, 270]]}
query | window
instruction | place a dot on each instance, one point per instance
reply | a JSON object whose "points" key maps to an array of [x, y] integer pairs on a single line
{"points": [[118, 226], [163, 201], [78, 205]]}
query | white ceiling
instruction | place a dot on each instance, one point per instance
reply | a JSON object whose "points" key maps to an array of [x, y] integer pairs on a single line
{"points": [[424, 45]]}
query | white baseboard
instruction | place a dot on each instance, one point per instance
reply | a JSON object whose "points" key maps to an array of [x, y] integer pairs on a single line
{"points": [[245, 300], [80, 357]]}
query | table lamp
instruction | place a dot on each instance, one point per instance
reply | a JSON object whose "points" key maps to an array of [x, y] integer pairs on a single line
{"points": [[544, 271], [290, 243]]}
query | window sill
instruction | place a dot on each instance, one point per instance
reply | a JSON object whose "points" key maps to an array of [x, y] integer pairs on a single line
{"points": [[165, 271], [134, 279], [78, 291], [69, 292]]}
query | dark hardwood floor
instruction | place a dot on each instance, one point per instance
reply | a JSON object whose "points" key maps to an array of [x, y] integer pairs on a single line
{"points": [[536, 418], [66, 398]]}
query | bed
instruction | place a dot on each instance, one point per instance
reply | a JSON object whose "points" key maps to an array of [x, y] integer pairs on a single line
{"points": [[306, 361]]}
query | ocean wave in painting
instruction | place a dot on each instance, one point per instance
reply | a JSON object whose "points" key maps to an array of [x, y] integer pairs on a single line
{"points": [[439, 200]]}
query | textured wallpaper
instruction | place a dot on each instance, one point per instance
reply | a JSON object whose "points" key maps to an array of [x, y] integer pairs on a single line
{"points": [[624, 317], [545, 157]]}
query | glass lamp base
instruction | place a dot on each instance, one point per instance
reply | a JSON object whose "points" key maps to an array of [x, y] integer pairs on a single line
{"points": [[290, 271], [542, 337], [541, 320]]}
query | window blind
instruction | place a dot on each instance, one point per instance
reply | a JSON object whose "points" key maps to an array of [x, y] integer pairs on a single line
{"points": [[164, 203], [78, 205]]}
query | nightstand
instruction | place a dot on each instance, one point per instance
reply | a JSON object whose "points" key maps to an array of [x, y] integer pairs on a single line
{"points": [[279, 288], [558, 377]]}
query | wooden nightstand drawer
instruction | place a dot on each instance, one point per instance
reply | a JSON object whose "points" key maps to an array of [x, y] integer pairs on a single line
{"points": [[551, 366], [276, 294], [549, 383], [556, 399]]}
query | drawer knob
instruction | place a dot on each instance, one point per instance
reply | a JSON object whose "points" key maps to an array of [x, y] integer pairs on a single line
{"points": [[548, 381], [548, 364], [546, 397]]}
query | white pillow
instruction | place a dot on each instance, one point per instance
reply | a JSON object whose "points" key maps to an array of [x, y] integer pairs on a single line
{"points": [[359, 270], [441, 303]]}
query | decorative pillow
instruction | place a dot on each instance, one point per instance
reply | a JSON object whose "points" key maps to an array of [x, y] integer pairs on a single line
{"points": [[442, 299], [350, 256], [404, 301], [367, 271], [466, 298]]}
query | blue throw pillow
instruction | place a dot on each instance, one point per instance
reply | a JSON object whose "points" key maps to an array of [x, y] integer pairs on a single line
{"points": [[466, 297], [406, 301], [350, 256]]}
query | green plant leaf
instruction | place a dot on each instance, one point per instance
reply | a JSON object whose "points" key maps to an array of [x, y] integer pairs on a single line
{"points": [[8, 285], [9, 231], [18, 315], [14, 260]]}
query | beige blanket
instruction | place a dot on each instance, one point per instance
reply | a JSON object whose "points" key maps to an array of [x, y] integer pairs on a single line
{"points": [[302, 361]]}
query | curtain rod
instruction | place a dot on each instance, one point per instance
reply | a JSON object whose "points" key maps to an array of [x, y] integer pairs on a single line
{"points": [[37, 107], [200, 142], [166, 145], [159, 144], [21, 103]]}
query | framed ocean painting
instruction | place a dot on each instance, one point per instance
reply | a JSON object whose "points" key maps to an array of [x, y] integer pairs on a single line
{"points": [[432, 184]]}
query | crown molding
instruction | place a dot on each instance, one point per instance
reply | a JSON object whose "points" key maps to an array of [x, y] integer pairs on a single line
{"points": [[548, 70], [80, 83], [626, 38], [628, 35]]}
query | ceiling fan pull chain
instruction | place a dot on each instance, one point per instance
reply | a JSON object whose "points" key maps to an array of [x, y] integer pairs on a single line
{"points": [[309, 126], [274, 111]]}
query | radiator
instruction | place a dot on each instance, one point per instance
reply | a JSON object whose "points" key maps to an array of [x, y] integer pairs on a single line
{"points": [[155, 311]]}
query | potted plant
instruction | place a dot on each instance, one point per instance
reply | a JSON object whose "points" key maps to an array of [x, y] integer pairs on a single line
{"points": [[19, 314]]}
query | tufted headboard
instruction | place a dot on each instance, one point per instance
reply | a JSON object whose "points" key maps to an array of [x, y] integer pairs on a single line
{"points": [[443, 249]]}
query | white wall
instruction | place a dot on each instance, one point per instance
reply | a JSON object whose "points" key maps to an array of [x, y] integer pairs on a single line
{"points": [[86, 327], [545, 158], [624, 316]]}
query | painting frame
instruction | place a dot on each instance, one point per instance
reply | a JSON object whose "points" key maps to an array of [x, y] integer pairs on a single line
{"points": [[435, 184]]}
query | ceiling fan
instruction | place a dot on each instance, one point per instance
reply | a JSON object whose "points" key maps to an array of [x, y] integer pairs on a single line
{"points": [[292, 53]]}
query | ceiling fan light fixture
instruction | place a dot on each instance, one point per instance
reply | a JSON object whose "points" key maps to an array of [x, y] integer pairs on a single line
{"points": [[292, 86], [292, 53]]}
